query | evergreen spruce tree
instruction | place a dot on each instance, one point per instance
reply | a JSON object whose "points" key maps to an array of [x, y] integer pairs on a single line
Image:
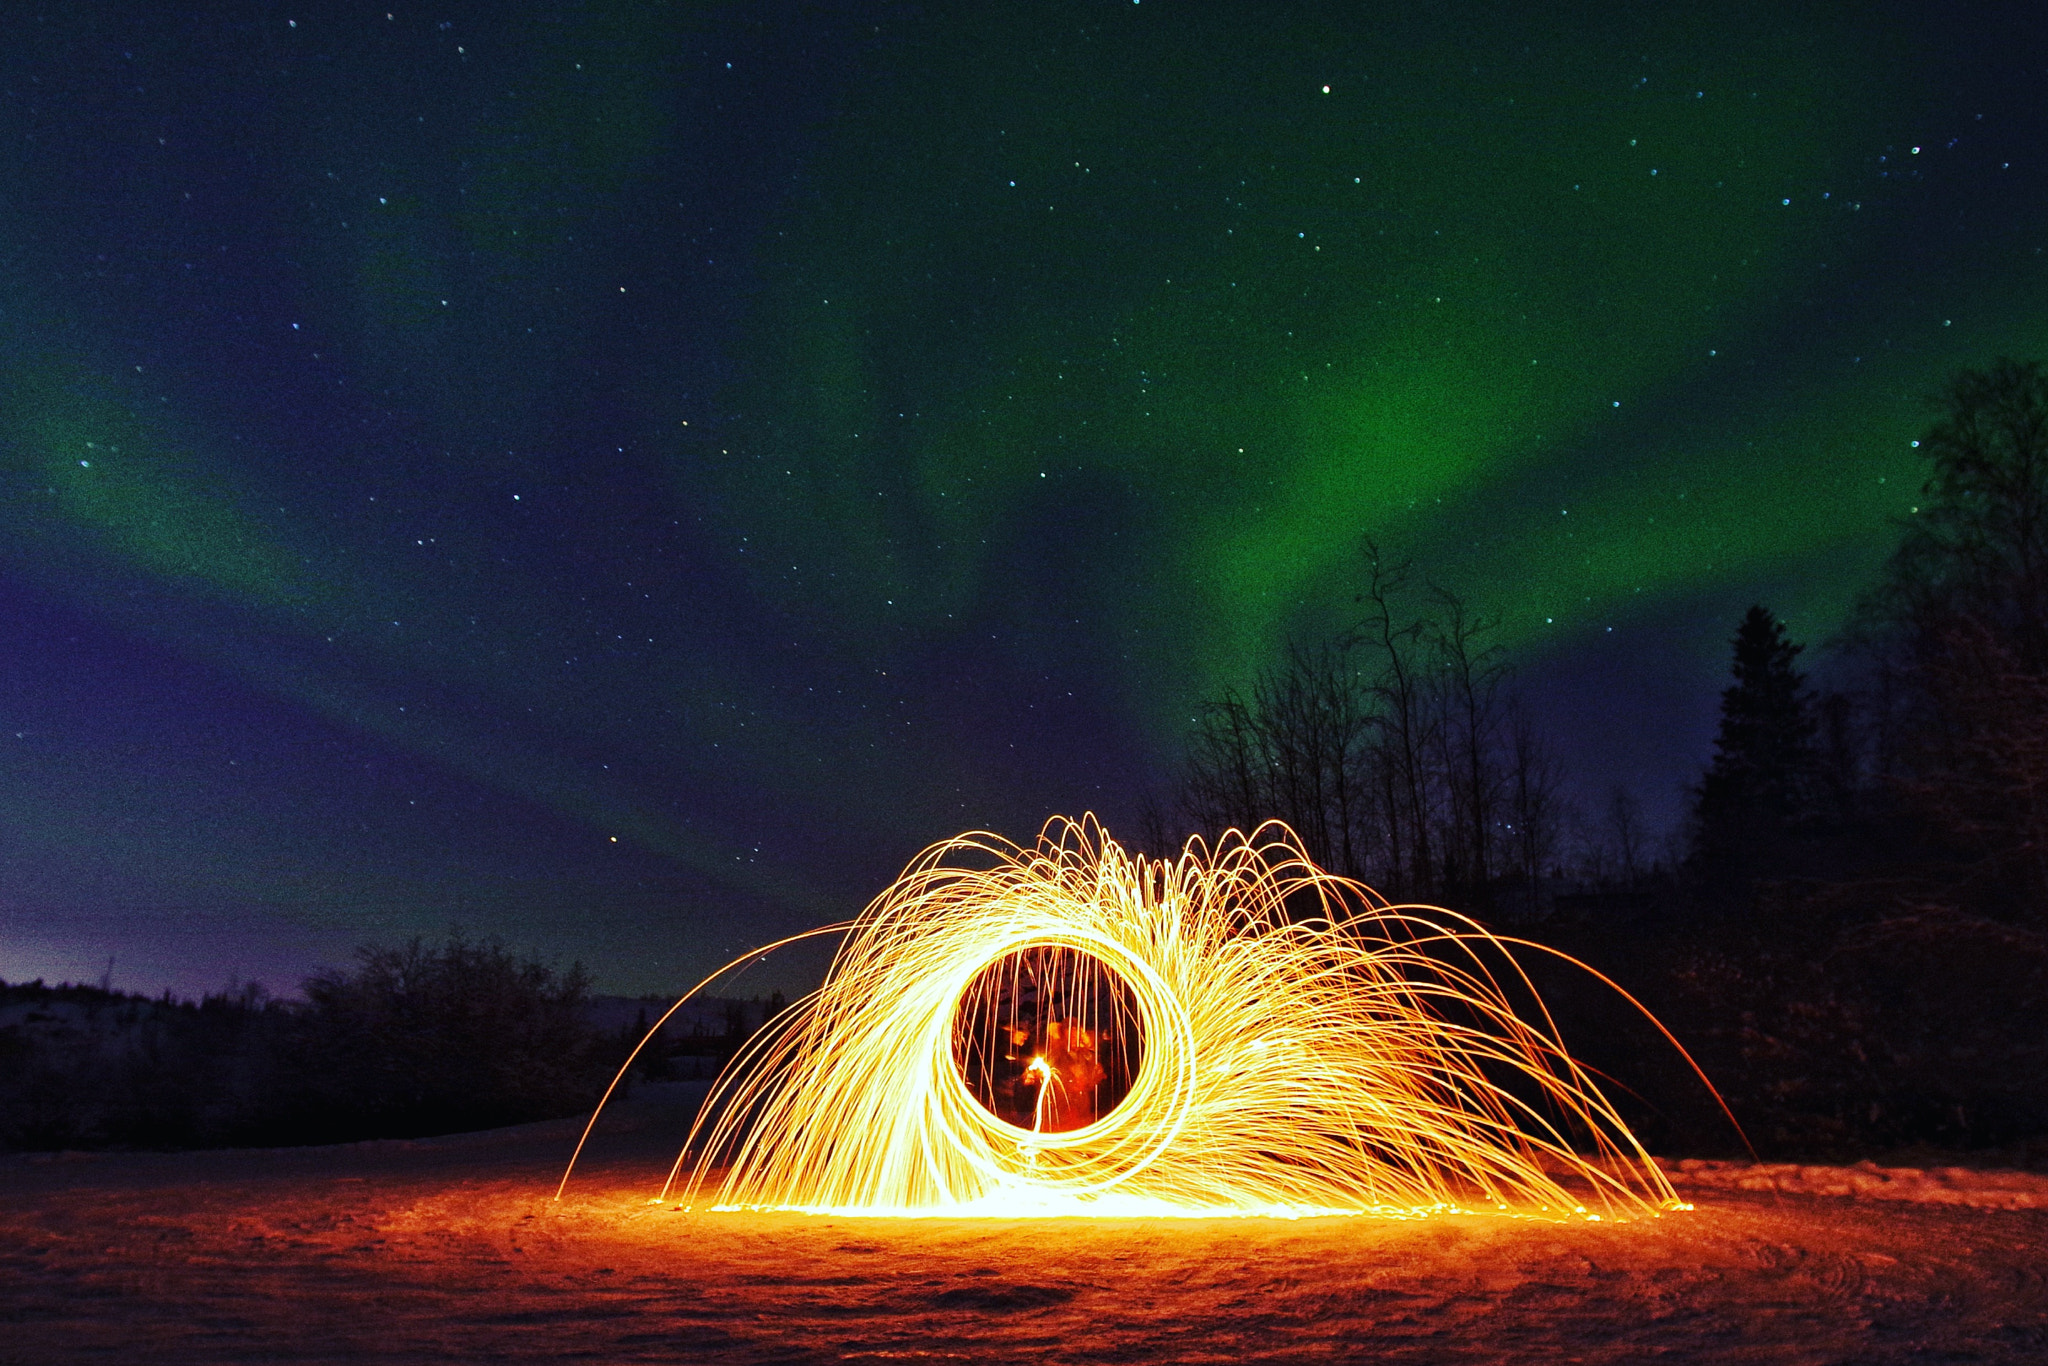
{"points": [[1761, 781]]}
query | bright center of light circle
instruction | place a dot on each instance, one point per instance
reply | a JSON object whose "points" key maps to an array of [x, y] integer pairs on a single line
{"points": [[1048, 1038]]}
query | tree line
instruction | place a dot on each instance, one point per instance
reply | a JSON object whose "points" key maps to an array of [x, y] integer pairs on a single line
{"points": [[1851, 933], [1398, 751], [1923, 775], [410, 1040]]}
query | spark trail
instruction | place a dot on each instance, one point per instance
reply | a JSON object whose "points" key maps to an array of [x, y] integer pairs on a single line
{"points": [[1289, 1043]]}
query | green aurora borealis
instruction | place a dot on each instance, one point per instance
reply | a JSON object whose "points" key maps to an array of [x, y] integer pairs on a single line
{"points": [[1278, 319], [627, 480]]}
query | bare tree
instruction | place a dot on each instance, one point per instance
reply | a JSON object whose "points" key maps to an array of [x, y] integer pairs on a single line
{"points": [[1536, 809], [1470, 674], [1625, 832], [1154, 836], [1957, 633], [1318, 722], [1977, 545], [1394, 646], [1297, 750], [1387, 750], [1227, 783], [1981, 774]]}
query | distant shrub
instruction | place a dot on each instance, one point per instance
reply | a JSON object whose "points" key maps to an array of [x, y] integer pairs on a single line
{"points": [[1921, 1027], [84, 1067], [1836, 1026], [424, 1039], [415, 1040]]}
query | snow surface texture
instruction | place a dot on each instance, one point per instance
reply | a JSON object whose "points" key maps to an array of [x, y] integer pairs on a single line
{"points": [[1868, 1181], [450, 1250]]}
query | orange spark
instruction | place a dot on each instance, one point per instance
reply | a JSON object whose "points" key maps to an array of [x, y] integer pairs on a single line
{"points": [[1233, 1031]]}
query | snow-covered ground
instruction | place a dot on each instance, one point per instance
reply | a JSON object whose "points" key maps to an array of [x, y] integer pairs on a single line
{"points": [[452, 1250], [1868, 1181]]}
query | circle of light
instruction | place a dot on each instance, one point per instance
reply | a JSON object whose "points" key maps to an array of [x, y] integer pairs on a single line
{"points": [[1310, 1049], [1137, 1005], [1114, 1148]]}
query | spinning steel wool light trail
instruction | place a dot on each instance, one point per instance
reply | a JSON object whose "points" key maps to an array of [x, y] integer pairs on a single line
{"points": [[1073, 1029]]}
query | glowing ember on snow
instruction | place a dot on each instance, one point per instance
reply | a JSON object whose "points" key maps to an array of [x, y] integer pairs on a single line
{"points": [[1072, 1029]]}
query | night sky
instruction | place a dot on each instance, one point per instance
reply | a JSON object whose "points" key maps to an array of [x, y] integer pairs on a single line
{"points": [[623, 478]]}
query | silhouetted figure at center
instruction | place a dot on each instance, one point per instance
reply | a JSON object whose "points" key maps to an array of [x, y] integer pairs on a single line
{"points": [[1064, 1078], [1048, 1040]]}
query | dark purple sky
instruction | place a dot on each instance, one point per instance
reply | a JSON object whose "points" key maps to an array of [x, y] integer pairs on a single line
{"points": [[624, 479]]}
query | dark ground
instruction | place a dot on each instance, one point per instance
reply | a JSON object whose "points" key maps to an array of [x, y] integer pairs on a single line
{"points": [[451, 1249]]}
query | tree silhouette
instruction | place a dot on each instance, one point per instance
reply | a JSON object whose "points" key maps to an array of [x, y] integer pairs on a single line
{"points": [[1391, 751], [1958, 632], [1625, 832], [1762, 777], [437, 1038], [1977, 545]]}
